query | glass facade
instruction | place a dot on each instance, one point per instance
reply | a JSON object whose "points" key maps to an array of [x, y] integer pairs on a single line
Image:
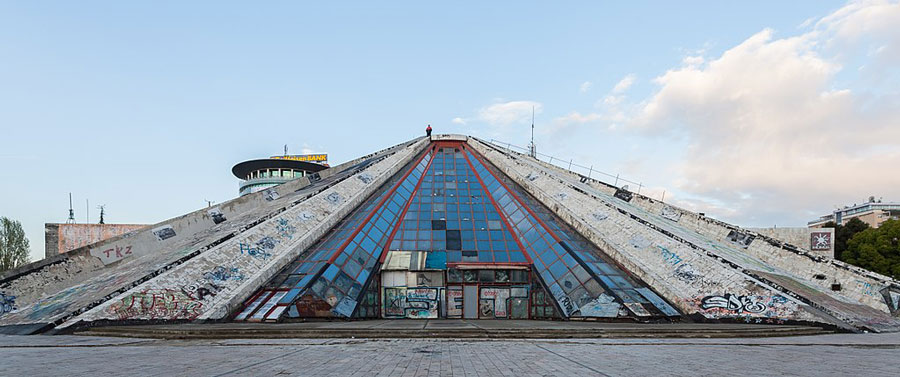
{"points": [[470, 245]]}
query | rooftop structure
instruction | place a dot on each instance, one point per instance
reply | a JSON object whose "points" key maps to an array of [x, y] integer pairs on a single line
{"points": [[258, 175], [445, 227], [60, 238], [872, 212]]}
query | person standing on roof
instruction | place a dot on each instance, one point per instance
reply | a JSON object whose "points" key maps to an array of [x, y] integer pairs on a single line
{"points": [[428, 131]]}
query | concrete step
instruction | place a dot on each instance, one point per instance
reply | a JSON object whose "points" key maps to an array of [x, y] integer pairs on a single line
{"points": [[268, 331]]}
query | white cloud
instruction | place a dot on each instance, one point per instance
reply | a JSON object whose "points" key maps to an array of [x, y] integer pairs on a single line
{"points": [[506, 113], [458, 120], [624, 84], [772, 132], [585, 86], [576, 117]]}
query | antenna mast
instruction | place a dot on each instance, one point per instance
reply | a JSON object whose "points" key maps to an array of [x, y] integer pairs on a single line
{"points": [[532, 151], [71, 219]]}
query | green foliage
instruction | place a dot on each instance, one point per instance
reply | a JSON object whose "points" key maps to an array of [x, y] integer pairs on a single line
{"points": [[843, 234], [876, 250], [13, 244]]}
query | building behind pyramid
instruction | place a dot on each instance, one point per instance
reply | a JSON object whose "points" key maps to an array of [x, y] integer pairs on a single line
{"points": [[443, 227]]}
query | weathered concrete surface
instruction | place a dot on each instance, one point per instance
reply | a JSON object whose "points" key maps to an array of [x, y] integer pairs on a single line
{"points": [[690, 260], [804, 238], [216, 282], [57, 288], [832, 355]]}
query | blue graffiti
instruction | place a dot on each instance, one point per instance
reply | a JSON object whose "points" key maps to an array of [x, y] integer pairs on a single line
{"points": [[221, 274], [255, 252], [285, 230], [669, 256], [7, 303]]}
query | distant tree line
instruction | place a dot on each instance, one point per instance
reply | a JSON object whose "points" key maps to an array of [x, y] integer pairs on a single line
{"points": [[13, 244], [875, 249]]}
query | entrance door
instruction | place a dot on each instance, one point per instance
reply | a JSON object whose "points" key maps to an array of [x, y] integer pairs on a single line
{"points": [[470, 301]]}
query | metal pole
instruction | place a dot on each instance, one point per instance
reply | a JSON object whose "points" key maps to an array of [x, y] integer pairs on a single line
{"points": [[551, 159], [639, 188], [570, 164], [617, 181], [590, 171], [664, 196]]}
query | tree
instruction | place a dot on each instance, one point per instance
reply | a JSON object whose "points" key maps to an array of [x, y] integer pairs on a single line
{"points": [[876, 250], [13, 244], [843, 234]]}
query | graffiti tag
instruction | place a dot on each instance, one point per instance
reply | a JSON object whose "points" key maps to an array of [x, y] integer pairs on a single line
{"points": [[157, 304], [120, 252], [7, 303], [221, 274], [735, 303]]}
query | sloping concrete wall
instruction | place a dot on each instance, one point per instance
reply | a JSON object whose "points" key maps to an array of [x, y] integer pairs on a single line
{"points": [[802, 237], [689, 259], [219, 280], [64, 286]]}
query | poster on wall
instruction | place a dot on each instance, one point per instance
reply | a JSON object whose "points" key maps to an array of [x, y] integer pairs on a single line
{"points": [[164, 232], [454, 302], [820, 241], [216, 215]]}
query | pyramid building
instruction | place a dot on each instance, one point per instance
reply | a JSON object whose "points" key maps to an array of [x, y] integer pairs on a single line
{"points": [[443, 227]]}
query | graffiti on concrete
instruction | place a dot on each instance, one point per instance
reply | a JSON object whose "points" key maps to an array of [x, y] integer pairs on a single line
{"points": [[271, 194], [365, 178], [117, 252], [334, 198], [306, 216], [600, 215], [223, 274], [60, 302], [285, 229], [156, 304], [56, 304], [201, 289], [669, 256], [741, 239], [216, 215], [261, 249], [254, 251], [164, 232], [623, 193], [7, 303], [733, 303], [686, 273], [670, 213], [867, 288]]}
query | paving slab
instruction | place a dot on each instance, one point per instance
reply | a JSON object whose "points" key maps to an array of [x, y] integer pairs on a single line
{"points": [[832, 355]]}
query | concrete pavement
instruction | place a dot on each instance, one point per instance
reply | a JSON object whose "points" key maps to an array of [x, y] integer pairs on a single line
{"points": [[833, 355]]}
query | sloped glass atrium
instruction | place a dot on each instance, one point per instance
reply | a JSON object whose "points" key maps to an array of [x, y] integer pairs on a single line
{"points": [[452, 237]]}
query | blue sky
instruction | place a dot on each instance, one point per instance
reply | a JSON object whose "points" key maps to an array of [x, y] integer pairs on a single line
{"points": [[145, 106]]}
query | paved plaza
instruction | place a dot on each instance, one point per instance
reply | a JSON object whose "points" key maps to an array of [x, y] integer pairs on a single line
{"points": [[837, 354]]}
